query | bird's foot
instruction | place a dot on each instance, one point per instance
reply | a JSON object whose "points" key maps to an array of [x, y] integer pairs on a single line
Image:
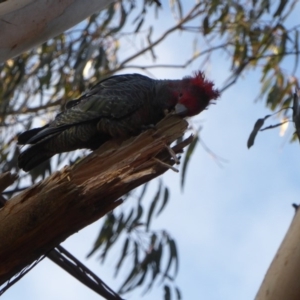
{"points": [[150, 126]]}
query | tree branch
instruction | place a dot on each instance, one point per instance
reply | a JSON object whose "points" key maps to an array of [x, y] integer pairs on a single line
{"points": [[44, 215], [190, 16], [28, 23]]}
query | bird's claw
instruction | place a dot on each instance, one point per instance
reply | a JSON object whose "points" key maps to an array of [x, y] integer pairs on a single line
{"points": [[150, 126]]}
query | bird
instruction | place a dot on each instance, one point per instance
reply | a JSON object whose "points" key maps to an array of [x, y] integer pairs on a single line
{"points": [[118, 106]]}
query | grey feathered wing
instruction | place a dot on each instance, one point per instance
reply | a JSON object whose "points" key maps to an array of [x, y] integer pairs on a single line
{"points": [[85, 123]]}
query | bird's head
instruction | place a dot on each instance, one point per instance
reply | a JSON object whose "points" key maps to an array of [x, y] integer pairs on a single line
{"points": [[194, 95]]}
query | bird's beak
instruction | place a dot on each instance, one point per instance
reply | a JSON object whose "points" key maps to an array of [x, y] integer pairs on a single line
{"points": [[180, 109]]}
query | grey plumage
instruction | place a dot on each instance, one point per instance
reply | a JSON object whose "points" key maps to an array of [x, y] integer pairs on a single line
{"points": [[118, 106]]}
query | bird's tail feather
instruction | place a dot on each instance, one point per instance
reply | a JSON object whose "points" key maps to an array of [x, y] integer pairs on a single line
{"points": [[24, 137], [33, 156]]}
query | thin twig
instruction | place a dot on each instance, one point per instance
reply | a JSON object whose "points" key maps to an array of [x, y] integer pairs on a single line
{"points": [[165, 165], [172, 153]]}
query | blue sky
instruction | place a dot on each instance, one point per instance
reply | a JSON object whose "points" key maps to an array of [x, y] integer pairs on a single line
{"points": [[228, 222]]}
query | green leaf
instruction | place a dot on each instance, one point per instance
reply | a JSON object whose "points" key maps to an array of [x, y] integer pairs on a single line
{"points": [[176, 8], [296, 47], [136, 253], [174, 254], [130, 277], [167, 295], [120, 225], [266, 85], [158, 257], [178, 293], [206, 28], [187, 158], [257, 126], [123, 255], [110, 12], [129, 217], [296, 113], [122, 21], [272, 98], [141, 280], [105, 234], [139, 25], [265, 4], [280, 8], [137, 218], [153, 205], [143, 192], [165, 200], [134, 271], [173, 257], [153, 260], [179, 7]]}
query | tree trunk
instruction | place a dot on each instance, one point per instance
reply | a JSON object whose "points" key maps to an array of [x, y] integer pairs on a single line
{"points": [[25, 24], [282, 278]]}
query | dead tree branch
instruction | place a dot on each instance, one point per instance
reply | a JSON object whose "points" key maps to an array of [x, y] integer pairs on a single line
{"points": [[44, 215]]}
